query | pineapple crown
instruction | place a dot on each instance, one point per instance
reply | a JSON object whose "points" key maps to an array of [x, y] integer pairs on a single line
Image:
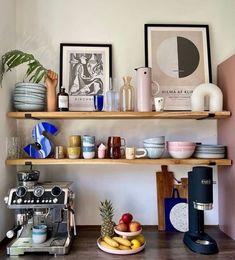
{"points": [[106, 210]]}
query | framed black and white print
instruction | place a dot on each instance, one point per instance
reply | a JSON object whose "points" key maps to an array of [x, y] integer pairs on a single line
{"points": [[180, 59], [85, 70]]}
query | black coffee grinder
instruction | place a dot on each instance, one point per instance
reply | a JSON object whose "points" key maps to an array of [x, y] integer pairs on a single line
{"points": [[200, 198]]}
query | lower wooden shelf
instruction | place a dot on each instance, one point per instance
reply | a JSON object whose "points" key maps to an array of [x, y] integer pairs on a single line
{"points": [[162, 161]]}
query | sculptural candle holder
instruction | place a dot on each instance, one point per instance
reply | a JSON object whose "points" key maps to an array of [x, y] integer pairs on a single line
{"points": [[215, 98]]}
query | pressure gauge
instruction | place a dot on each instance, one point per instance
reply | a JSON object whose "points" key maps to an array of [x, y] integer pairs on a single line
{"points": [[56, 191], [38, 191], [21, 191]]}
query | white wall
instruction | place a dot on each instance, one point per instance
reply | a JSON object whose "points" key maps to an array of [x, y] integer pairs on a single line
{"points": [[8, 127], [43, 25]]}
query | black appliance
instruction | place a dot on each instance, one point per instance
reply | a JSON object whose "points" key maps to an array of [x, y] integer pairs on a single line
{"points": [[200, 198]]}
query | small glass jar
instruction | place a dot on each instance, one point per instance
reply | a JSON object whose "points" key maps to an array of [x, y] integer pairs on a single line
{"points": [[127, 95]]}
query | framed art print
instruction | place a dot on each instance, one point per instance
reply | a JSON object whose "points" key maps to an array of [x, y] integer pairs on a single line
{"points": [[180, 59], [85, 70]]}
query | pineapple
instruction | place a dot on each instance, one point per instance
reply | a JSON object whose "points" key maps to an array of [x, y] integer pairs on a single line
{"points": [[106, 213]]}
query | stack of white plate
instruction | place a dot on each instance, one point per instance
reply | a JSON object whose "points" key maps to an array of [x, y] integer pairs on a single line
{"points": [[29, 97], [210, 151]]}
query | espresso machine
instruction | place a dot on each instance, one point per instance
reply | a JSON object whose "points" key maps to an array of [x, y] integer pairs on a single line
{"points": [[200, 198], [35, 203]]}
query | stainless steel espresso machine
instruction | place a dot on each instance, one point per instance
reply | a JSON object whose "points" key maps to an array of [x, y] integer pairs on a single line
{"points": [[48, 203]]}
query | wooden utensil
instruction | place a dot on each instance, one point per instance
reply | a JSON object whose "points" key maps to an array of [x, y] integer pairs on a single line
{"points": [[165, 183], [183, 188]]}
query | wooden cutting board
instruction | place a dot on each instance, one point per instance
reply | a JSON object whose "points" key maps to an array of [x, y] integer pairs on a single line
{"points": [[165, 183], [183, 188]]}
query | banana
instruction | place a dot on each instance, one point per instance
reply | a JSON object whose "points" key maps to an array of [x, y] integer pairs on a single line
{"points": [[110, 241], [124, 247], [122, 241], [104, 244]]}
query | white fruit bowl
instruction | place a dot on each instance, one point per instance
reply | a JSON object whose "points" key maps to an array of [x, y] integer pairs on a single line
{"points": [[118, 251], [127, 234]]}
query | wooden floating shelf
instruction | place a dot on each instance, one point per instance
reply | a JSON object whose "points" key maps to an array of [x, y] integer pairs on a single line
{"points": [[120, 115], [163, 161]]}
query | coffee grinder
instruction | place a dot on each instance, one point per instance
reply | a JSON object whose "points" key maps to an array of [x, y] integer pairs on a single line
{"points": [[200, 198]]}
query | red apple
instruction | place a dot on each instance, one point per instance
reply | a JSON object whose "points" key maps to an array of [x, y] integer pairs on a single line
{"points": [[134, 226], [122, 227], [127, 218], [120, 221]]}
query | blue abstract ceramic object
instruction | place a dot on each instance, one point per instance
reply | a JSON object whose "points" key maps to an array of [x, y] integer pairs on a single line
{"points": [[42, 146]]}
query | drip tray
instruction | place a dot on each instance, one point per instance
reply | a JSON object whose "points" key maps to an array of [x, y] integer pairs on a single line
{"points": [[27, 242], [54, 245]]}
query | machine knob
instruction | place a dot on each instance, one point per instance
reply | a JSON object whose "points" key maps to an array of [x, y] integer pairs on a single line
{"points": [[21, 191], [19, 201], [56, 191], [6, 199], [55, 200], [10, 234]]}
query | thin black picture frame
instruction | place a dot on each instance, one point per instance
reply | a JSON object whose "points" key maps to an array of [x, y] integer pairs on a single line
{"points": [[84, 48]]}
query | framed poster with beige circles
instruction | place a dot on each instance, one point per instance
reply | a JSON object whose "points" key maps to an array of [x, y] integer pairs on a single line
{"points": [[180, 59]]}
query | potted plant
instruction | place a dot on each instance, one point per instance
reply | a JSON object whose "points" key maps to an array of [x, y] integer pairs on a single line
{"points": [[30, 95]]}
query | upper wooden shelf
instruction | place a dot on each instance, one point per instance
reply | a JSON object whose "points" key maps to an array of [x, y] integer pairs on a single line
{"points": [[120, 115], [161, 161]]}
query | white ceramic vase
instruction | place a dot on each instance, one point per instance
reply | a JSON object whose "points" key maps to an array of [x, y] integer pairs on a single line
{"points": [[215, 98]]}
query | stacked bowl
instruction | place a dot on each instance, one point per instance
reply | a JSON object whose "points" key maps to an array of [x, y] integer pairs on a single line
{"points": [[181, 150], [29, 97], [209, 151], [155, 146]]}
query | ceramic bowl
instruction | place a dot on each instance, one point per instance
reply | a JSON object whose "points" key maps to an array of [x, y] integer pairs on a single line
{"points": [[152, 145], [155, 140], [181, 143], [30, 85], [179, 149], [28, 107], [155, 152], [127, 234], [182, 154]]}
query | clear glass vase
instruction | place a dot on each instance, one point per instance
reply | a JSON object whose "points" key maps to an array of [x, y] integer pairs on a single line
{"points": [[127, 95]]}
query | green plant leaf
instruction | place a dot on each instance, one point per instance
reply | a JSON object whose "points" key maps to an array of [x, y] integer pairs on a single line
{"points": [[40, 77], [39, 68], [31, 67], [14, 58]]}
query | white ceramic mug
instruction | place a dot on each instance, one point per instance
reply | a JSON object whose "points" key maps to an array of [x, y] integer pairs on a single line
{"points": [[39, 234], [132, 153], [159, 103]]}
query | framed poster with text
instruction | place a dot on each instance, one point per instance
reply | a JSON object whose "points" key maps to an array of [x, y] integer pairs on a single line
{"points": [[180, 59], [85, 70]]}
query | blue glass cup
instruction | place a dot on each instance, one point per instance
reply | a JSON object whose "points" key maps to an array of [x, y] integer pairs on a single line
{"points": [[98, 102]]}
